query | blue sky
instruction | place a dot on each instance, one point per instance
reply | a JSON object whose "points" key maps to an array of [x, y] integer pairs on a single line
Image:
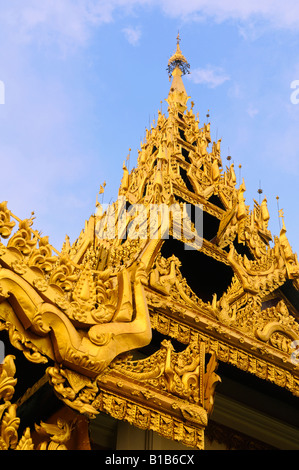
{"points": [[84, 78]]}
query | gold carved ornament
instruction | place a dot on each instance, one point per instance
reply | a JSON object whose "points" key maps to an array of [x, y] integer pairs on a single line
{"points": [[55, 435], [89, 306]]}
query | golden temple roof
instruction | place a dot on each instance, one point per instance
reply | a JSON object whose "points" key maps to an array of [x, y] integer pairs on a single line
{"points": [[90, 305]]}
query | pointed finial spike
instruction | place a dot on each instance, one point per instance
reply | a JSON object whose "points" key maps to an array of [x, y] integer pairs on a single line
{"points": [[178, 60]]}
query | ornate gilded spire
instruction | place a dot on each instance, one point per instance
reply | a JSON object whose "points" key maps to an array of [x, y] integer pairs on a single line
{"points": [[178, 66], [178, 60]]}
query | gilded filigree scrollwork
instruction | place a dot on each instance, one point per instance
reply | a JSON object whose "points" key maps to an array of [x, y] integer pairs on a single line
{"points": [[9, 422], [166, 278], [6, 224], [55, 435], [182, 374], [278, 327], [106, 311], [23, 239], [181, 381], [75, 390]]}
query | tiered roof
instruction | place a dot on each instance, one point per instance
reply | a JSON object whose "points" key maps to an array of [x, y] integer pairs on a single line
{"points": [[178, 254]]}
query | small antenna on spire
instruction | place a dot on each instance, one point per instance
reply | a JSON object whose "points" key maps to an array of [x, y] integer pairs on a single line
{"points": [[240, 173], [260, 191], [279, 211], [128, 160]]}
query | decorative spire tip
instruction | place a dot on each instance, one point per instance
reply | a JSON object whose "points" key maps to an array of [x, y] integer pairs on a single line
{"points": [[178, 60]]}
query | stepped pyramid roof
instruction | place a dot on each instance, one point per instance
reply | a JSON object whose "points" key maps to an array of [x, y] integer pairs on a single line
{"points": [[179, 258]]}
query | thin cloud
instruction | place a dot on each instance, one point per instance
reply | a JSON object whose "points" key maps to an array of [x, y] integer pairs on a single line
{"points": [[70, 23], [132, 35], [276, 13], [252, 111], [47, 21], [210, 76]]}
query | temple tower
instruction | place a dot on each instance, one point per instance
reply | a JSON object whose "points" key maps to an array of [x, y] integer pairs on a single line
{"points": [[175, 310]]}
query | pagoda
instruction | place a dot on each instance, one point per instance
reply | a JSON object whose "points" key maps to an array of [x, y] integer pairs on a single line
{"points": [[175, 311]]}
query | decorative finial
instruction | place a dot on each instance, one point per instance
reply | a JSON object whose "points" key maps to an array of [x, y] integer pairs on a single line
{"points": [[102, 188], [178, 60], [101, 191], [260, 191], [240, 173], [128, 160], [280, 212]]}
